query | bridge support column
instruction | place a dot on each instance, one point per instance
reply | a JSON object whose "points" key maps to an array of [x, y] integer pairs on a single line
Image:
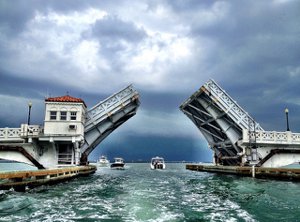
{"points": [[77, 153]]}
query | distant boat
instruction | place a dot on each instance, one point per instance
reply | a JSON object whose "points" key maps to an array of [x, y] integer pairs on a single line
{"points": [[103, 161], [157, 163], [118, 164]]}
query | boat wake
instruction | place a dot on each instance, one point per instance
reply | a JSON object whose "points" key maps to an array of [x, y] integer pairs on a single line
{"points": [[10, 204]]}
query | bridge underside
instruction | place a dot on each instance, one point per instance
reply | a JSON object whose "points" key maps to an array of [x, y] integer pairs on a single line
{"points": [[106, 116], [221, 120], [218, 128], [106, 127]]}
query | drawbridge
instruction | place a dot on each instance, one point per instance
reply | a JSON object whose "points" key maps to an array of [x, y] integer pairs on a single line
{"points": [[106, 116], [70, 133], [221, 121]]}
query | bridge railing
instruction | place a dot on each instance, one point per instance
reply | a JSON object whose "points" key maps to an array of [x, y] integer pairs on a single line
{"points": [[228, 105], [271, 137], [30, 130], [107, 106], [10, 134], [18, 134]]}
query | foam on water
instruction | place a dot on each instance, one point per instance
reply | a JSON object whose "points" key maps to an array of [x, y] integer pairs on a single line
{"points": [[140, 194]]}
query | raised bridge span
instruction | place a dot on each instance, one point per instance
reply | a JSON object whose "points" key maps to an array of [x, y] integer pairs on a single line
{"points": [[106, 116], [220, 119]]}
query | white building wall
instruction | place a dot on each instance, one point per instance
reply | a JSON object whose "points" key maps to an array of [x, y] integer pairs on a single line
{"points": [[64, 127], [48, 157]]}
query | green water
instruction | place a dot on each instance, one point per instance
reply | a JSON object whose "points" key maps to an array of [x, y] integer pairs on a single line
{"points": [[140, 194], [14, 166]]}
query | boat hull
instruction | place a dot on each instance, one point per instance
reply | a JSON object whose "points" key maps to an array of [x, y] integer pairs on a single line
{"points": [[157, 166], [103, 164], [117, 166]]}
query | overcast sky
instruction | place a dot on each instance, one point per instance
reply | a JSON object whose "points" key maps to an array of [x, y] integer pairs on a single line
{"points": [[166, 49]]}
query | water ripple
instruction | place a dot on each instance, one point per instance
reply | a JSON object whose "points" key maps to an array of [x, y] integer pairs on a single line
{"points": [[141, 194]]}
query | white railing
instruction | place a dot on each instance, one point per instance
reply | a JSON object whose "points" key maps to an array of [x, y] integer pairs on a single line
{"points": [[30, 130], [10, 134], [228, 105], [18, 134], [104, 108], [271, 137]]}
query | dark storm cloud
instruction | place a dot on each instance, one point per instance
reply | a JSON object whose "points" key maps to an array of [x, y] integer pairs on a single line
{"points": [[254, 39], [23, 87], [39, 90], [112, 28], [168, 49], [36, 88], [67, 5], [263, 38], [255, 55], [13, 17], [114, 35], [167, 102], [169, 148]]}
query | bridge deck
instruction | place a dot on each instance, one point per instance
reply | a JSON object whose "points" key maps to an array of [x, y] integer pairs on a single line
{"points": [[106, 116]]}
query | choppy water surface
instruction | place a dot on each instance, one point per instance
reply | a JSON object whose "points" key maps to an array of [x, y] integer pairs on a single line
{"points": [[141, 194]]}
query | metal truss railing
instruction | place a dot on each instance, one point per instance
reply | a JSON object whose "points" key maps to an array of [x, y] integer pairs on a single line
{"points": [[229, 106], [105, 108]]}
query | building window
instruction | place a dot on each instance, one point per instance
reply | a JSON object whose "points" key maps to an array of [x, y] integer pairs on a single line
{"points": [[52, 115], [73, 115], [63, 115]]}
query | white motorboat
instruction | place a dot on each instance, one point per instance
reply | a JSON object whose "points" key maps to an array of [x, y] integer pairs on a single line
{"points": [[118, 164], [103, 161], [157, 163]]}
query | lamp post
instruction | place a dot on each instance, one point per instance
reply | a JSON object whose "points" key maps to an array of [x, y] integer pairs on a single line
{"points": [[29, 110], [287, 119]]}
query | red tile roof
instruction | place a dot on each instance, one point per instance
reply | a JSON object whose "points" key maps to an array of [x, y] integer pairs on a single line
{"points": [[65, 98]]}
